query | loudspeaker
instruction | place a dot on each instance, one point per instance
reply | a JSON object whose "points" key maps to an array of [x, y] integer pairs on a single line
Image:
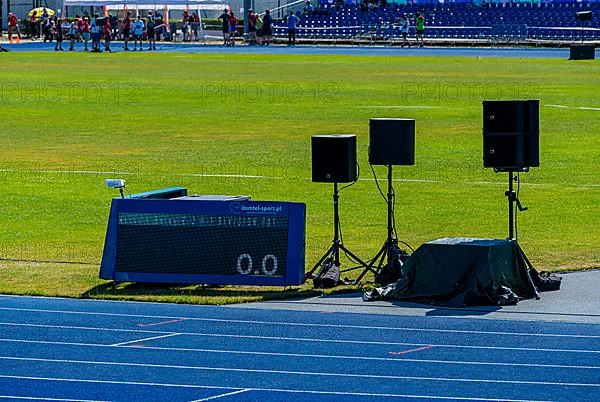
{"points": [[511, 134], [582, 52], [334, 158], [392, 141]]}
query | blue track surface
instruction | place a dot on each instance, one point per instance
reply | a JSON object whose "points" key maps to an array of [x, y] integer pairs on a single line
{"points": [[94, 350], [331, 50]]}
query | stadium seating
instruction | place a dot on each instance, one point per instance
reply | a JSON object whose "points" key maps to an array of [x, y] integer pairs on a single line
{"points": [[502, 22]]}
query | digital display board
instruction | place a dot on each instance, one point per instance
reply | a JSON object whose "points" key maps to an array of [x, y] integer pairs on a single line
{"points": [[208, 242]]}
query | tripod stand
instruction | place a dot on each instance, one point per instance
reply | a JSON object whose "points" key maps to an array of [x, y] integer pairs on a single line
{"points": [[334, 251], [390, 246], [513, 199]]}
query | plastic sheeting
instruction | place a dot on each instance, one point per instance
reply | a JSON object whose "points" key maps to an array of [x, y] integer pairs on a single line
{"points": [[460, 272]]}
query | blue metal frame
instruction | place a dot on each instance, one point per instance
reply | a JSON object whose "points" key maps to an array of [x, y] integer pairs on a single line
{"points": [[295, 264]]}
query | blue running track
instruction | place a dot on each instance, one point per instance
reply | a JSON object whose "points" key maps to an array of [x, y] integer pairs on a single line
{"points": [[61, 349], [510, 52]]}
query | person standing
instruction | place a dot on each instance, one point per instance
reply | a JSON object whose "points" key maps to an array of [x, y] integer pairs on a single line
{"points": [[59, 35], [150, 34], [85, 32], [138, 31], [232, 28], [225, 18], [13, 27], [420, 28], [195, 26], [33, 25], [252, 22], [96, 34], [126, 28], [107, 31], [291, 23], [404, 31], [73, 33], [267, 31]]}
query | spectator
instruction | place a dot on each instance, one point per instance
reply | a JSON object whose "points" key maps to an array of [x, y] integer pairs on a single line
{"points": [[114, 26], [13, 27], [252, 22], [404, 31], [185, 26], [126, 28], [85, 31], [107, 33], [232, 28], [308, 9], [266, 29], [138, 31], [50, 29], [58, 35], [292, 20], [73, 33], [225, 18], [150, 33], [420, 28], [195, 26], [33, 21]]}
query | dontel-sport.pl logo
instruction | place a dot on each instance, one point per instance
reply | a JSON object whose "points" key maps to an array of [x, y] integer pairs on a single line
{"points": [[262, 209]]}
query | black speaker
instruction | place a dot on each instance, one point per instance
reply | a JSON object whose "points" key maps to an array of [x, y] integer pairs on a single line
{"points": [[334, 158], [392, 141], [578, 51], [511, 134]]}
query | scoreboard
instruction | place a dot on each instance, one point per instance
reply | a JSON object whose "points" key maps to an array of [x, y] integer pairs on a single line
{"points": [[206, 241]]}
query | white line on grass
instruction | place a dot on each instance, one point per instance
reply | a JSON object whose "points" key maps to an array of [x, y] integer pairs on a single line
{"points": [[301, 373], [398, 107], [303, 324], [296, 391], [210, 398], [146, 339], [283, 338], [315, 356]]}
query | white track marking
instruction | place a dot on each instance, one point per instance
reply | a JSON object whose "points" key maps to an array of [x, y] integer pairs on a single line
{"points": [[301, 373], [312, 356], [296, 391], [283, 338], [398, 107], [234, 176], [35, 398], [575, 107], [146, 339], [302, 324], [210, 398]]}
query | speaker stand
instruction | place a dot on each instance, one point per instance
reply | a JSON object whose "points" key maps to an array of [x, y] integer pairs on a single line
{"points": [[334, 251], [511, 195], [390, 246]]}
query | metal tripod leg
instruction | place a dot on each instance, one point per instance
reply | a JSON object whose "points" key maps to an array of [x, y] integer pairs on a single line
{"points": [[528, 270], [329, 252]]}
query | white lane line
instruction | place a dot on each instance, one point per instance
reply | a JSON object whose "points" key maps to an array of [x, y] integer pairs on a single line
{"points": [[301, 373], [284, 338], [210, 398], [229, 176], [315, 356], [35, 398], [398, 107], [303, 324], [296, 391], [146, 339]]}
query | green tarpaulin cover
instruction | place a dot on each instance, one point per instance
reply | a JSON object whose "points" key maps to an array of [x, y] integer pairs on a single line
{"points": [[461, 272]]}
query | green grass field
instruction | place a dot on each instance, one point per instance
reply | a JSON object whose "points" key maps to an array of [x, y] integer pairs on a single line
{"points": [[203, 121]]}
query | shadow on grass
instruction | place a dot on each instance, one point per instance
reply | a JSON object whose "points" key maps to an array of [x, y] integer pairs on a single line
{"points": [[203, 294]]}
